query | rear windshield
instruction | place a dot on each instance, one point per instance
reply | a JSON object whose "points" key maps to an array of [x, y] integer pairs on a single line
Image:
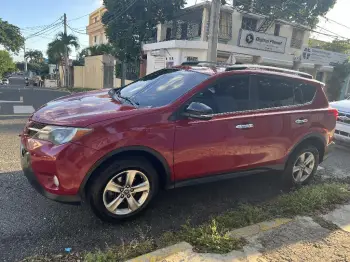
{"points": [[162, 87]]}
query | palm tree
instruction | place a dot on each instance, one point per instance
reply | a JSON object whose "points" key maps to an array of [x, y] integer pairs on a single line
{"points": [[57, 48], [35, 56]]}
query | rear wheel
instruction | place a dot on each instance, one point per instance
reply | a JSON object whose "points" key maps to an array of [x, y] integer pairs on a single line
{"points": [[301, 166], [123, 190]]}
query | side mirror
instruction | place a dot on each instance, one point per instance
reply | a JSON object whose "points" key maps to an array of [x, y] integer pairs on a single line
{"points": [[198, 111]]}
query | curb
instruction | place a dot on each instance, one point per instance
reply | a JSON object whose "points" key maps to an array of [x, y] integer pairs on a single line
{"points": [[245, 232], [161, 254]]}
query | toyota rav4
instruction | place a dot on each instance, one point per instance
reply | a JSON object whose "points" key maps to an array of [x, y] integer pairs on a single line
{"points": [[176, 127]]}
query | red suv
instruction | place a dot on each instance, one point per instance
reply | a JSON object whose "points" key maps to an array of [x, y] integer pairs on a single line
{"points": [[176, 127]]}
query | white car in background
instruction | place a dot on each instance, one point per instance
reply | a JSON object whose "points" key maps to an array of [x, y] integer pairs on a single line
{"points": [[342, 130]]}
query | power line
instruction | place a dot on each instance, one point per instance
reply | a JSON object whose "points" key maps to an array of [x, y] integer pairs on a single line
{"points": [[120, 13], [75, 31], [46, 29], [77, 18]]}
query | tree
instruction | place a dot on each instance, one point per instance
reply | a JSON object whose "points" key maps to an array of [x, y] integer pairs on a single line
{"points": [[56, 48], [10, 37], [35, 56], [340, 46], [337, 80], [129, 23], [6, 63], [304, 12]]}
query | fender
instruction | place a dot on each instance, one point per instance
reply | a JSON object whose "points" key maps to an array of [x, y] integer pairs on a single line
{"points": [[168, 184], [318, 136]]}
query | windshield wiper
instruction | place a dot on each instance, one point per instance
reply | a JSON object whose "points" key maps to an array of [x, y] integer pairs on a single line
{"points": [[118, 93]]}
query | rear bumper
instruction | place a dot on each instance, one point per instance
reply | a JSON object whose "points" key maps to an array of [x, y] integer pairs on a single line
{"points": [[329, 149], [30, 175]]}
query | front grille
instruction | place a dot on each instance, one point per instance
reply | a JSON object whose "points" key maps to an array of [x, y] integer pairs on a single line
{"points": [[344, 118], [342, 133], [35, 125]]}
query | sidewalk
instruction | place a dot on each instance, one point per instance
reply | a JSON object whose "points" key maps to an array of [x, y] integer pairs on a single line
{"points": [[323, 238]]}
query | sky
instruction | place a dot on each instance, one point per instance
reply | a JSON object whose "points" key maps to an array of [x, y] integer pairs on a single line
{"points": [[37, 13]]}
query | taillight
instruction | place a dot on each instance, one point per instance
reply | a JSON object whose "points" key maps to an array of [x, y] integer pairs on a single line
{"points": [[334, 112]]}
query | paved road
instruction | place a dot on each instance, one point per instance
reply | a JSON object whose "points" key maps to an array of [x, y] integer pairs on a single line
{"points": [[31, 224], [17, 99]]}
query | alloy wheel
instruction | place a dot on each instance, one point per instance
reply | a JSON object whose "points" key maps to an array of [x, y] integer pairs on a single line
{"points": [[303, 167], [126, 192]]}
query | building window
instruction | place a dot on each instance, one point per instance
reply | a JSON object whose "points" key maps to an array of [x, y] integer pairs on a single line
{"points": [[192, 59], [297, 38], [95, 39], [225, 26], [95, 19], [168, 34], [277, 29], [249, 23], [319, 76]]}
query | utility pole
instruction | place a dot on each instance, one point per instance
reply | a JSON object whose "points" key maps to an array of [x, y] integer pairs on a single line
{"points": [[25, 59], [214, 30], [66, 67]]}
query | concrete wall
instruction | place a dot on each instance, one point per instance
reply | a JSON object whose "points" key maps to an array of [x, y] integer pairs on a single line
{"points": [[79, 76], [118, 82], [91, 75]]}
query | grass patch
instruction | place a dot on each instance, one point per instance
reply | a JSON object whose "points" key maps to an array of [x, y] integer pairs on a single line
{"points": [[310, 199], [213, 236]]}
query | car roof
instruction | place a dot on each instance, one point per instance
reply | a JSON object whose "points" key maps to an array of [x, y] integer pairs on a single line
{"points": [[250, 68]]}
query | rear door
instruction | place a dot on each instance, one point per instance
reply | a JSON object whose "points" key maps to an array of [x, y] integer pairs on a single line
{"points": [[283, 116]]}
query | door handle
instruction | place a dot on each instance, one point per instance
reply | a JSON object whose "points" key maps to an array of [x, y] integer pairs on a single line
{"points": [[301, 121], [246, 126]]}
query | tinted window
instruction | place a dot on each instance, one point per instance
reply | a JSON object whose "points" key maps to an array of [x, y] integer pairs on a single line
{"points": [[309, 92], [229, 95], [162, 87], [273, 92]]}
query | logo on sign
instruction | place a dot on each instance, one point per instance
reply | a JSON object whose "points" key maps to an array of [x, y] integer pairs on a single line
{"points": [[249, 38]]}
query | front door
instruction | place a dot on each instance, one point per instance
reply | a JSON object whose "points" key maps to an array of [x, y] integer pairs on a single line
{"points": [[219, 145]]}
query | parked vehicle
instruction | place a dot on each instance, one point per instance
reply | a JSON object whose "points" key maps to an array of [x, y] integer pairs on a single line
{"points": [[176, 127], [342, 131], [5, 81]]}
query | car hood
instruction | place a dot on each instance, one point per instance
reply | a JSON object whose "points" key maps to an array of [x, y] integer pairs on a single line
{"points": [[343, 105], [82, 109]]}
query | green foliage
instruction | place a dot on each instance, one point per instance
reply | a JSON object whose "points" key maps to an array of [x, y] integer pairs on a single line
{"points": [[6, 63], [129, 23], [340, 46], [337, 80], [56, 48], [34, 56], [10, 37], [310, 199], [299, 11]]}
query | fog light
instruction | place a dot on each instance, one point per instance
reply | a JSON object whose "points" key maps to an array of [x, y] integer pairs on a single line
{"points": [[55, 181]]}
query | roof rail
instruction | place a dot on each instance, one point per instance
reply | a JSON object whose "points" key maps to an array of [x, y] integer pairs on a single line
{"points": [[268, 68]]}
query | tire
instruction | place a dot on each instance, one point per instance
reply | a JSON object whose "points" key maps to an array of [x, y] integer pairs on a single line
{"points": [[291, 179], [99, 197]]}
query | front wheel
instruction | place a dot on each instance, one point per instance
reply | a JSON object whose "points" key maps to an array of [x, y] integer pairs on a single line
{"points": [[301, 167], [123, 190]]}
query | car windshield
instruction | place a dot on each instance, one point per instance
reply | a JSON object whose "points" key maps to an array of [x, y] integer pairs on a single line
{"points": [[162, 87]]}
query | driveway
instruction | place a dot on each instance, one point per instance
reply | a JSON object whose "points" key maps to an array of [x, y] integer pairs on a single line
{"points": [[31, 224]]}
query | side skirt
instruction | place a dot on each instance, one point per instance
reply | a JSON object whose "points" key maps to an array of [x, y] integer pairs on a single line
{"points": [[219, 177]]}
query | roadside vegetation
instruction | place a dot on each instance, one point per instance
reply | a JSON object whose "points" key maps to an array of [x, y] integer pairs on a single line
{"points": [[213, 236]]}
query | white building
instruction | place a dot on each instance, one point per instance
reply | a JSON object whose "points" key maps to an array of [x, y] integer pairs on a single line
{"points": [[185, 39]]}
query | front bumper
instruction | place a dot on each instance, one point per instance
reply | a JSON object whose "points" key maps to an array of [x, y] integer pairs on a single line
{"points": [[28, 172]]}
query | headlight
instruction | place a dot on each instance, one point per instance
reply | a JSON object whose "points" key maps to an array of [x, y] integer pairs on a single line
{"points": [[60, 135]]}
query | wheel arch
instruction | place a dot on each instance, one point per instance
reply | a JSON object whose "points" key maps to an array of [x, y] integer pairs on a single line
{"points": [[157, 160], [314, 139]]}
